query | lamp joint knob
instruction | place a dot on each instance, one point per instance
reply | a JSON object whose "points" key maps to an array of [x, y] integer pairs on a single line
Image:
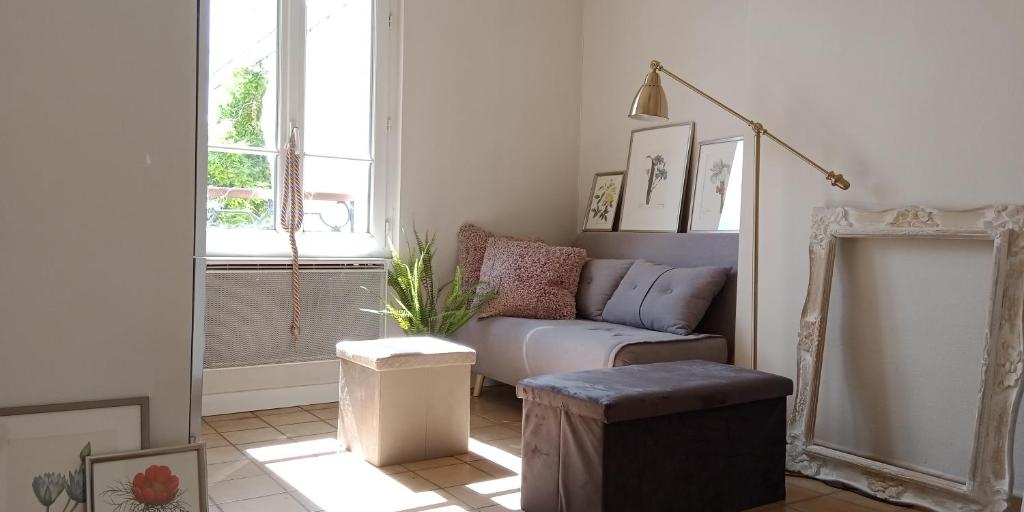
{"points": [[837, 180]]}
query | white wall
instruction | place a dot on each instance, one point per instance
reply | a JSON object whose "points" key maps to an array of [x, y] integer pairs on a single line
{"points": [[96, 204], [917, 102], [490, 118]]}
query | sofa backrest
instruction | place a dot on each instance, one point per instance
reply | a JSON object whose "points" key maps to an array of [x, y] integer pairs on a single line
{"points": [[679, 250]]}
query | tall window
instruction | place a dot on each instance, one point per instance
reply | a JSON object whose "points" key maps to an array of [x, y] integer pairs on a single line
{"points": [[279, 65]]}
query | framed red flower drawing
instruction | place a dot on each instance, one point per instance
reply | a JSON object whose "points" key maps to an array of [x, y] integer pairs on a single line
{"points": [[159, 480]]}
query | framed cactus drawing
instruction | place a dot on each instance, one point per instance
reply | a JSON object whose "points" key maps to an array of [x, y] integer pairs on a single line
{"points": [[43, 449], [157, 480]]}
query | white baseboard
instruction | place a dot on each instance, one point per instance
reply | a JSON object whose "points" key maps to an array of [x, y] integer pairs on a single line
{"points": [[249, 388], [239, 401]]}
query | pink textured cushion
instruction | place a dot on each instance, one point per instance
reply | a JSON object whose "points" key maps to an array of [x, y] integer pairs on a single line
{"points": [[534, 280], [472, 244]]}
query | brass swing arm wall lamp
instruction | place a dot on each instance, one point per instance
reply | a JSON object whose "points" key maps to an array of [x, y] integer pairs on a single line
{"points": [[650, 104]]}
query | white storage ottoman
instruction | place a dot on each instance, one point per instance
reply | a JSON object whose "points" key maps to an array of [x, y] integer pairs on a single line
{"points": [[404, 399]]}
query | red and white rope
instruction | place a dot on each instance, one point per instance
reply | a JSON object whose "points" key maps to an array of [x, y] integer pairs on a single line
{"points": [[291, 221]]}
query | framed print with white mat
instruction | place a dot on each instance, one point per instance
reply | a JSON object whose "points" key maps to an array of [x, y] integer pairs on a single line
{"points": [[717, 186], [657, 169], [43, 449]]}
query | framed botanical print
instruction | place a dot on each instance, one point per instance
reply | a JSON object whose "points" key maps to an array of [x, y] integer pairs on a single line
{"points": [[603, 207], [717, 185], [43, 449], [158, 480], [656, 174]]}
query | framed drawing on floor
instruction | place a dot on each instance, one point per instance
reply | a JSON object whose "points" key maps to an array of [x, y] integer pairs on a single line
{"points": [[43, 449], [656, 174], [157, 480], [717, 185]]}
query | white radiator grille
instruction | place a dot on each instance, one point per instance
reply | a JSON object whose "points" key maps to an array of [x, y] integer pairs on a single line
{"points": [[248, 312]]}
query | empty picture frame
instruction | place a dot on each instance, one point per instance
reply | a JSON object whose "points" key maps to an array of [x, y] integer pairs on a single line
{"points": [[990, 477]]}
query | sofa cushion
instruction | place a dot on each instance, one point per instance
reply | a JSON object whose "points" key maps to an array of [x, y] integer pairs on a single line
{"points": [[510, 349], [598, 282], [534, 280], [680, 297], [663, 298], [624, 305], [470, 250]]}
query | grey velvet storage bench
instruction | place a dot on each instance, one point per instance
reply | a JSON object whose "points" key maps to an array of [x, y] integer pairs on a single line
{"points": [[679, 436]]}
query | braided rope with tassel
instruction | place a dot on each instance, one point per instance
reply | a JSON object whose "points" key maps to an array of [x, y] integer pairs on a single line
{"points": [[291, 221]]}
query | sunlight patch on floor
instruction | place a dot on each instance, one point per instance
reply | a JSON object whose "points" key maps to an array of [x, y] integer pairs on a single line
{"points": [[343, 481], [498, 456], [496, 486], [287, 450], [510, 501]]}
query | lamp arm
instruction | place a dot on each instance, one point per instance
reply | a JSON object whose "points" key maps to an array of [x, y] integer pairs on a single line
{"points": [[836, 179], [657, 66]]}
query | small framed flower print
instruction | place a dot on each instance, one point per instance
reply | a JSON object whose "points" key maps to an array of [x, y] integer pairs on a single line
{"points": [[605, 196], [157, 480]]}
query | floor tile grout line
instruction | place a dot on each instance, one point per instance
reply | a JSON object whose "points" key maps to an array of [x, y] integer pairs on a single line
{"points": [[809, 498], [275, 427], [214, 427], [303, 423]]}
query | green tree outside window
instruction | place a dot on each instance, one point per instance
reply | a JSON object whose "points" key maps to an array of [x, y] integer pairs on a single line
{"points": [[244, 111]]}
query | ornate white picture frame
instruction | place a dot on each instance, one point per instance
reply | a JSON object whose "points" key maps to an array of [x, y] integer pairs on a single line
{"points": [[990, 473]]}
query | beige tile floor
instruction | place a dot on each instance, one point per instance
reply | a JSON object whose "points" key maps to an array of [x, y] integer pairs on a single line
{"points": [[287, 460]]}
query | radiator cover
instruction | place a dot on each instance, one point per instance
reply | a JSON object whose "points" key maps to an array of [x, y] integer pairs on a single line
{"points": [[248, 311]]}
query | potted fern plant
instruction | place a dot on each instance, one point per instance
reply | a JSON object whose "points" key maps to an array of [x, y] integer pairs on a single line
{"points": [[421, 309]]}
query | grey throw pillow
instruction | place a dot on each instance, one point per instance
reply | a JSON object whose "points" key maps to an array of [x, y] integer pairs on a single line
{"points": [[598, 282], [624, 306], [663, 298], [680, 297]]}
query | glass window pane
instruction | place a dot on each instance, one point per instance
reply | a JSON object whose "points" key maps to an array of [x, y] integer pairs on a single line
{"points": [[339, 77], [243, 73], [337, 195], [239, 191]]}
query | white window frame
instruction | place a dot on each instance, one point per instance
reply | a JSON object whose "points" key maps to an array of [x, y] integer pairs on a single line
{"points": [[383, 193]]}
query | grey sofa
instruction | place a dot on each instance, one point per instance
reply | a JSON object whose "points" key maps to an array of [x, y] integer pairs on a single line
{"points": [[511, 349]]}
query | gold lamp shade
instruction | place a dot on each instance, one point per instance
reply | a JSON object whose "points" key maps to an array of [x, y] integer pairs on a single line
{"points": [[650, 103]]}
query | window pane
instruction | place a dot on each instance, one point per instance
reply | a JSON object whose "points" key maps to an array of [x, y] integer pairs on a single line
{"points": [[337, 195], [239, 191], [339, 77], [243, 73]]}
